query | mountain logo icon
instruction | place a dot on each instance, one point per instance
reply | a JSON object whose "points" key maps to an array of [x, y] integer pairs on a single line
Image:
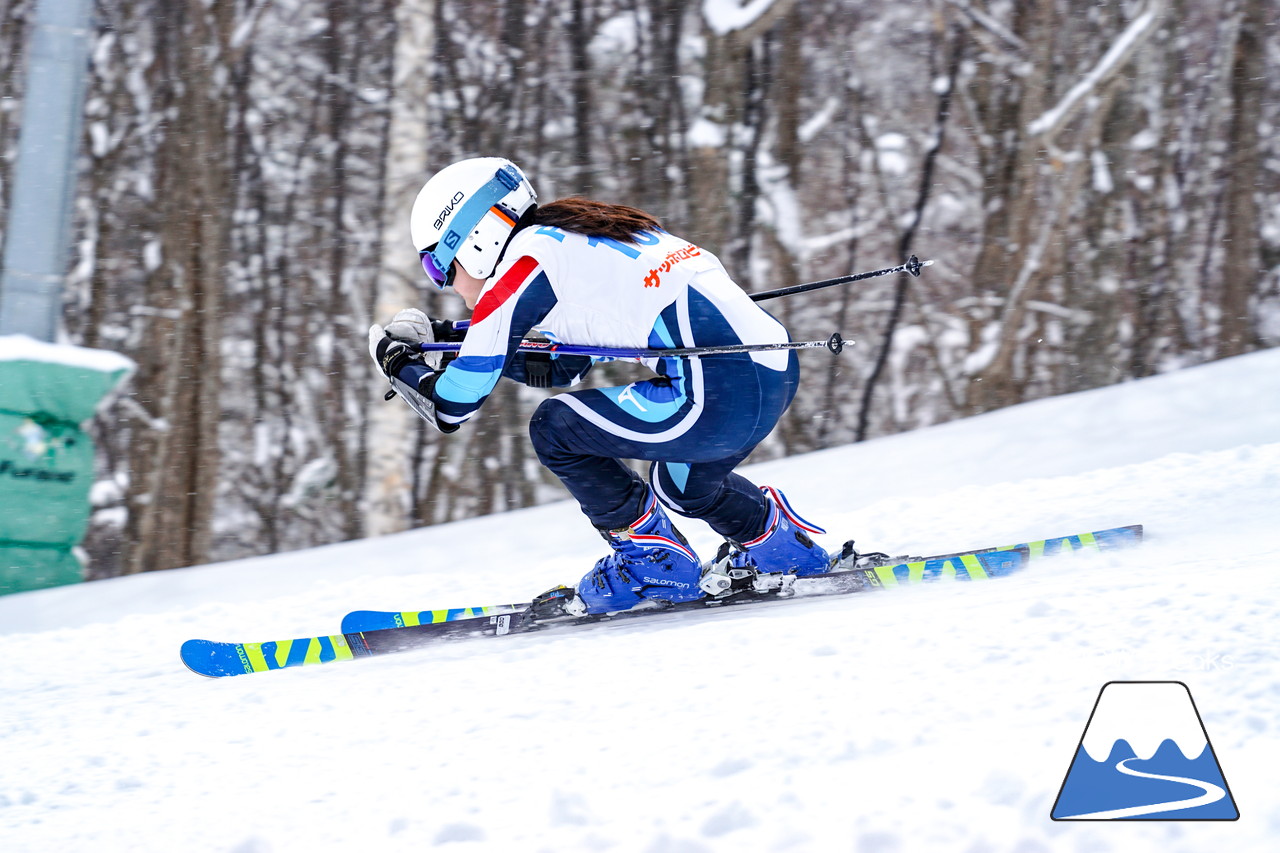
{"points": [[1145, 755]]}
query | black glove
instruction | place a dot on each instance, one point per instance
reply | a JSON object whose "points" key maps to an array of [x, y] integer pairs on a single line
{"points": [[392, 356], [389, 354], [444, 331]]}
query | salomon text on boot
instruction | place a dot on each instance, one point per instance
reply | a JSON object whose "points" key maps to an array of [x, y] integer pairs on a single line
{"points": [[650, 560]]}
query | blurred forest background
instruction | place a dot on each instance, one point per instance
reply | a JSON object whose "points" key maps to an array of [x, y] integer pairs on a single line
{"points": [[1098, 181]]}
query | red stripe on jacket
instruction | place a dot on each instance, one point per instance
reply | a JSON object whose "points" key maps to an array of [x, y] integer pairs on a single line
{"points": [[505, 287]]}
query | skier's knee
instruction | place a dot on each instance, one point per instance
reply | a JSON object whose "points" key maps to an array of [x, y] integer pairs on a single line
{"points": [[548, 424]]}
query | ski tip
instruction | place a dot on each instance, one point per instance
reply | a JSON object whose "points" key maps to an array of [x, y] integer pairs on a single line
{"points": [[1119, 537], [218, 659], [211, 659], [359, 621]]}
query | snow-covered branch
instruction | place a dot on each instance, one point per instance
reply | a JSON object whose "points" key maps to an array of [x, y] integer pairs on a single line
{"points": [[728, 16], [990, 24], [1115, 58]]}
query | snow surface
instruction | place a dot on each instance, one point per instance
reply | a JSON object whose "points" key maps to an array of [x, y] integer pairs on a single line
{"points": [[935, 718]]}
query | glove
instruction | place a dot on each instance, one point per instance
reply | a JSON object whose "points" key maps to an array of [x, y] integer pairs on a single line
{"points": [[414, 327], [391, 356], [411, 326]]}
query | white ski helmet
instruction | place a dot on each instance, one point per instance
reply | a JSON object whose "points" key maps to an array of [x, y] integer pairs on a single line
{"points": [[467, 212]]}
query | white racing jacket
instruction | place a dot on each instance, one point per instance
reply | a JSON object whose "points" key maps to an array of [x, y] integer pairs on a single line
{"points": [[657, 291]]}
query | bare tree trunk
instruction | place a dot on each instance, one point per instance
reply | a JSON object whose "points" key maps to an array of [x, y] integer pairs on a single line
{"points": [[1009, 196], [580, 37], [1032, 166], [1242, 267], [941, 118], [392, 427], [712, 135], [175, 483]]}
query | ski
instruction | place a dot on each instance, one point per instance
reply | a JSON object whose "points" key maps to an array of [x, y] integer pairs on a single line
{"points": [[377, 620], [217, 659]]}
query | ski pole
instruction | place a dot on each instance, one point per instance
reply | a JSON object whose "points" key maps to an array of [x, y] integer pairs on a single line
{"points": [[912, 266], [835, 344]]}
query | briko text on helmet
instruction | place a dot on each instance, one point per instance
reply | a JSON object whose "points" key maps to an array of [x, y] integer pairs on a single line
{"points": [[444, 214]]}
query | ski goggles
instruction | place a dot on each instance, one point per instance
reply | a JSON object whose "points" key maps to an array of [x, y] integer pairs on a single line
{"points": [[440, 278]]}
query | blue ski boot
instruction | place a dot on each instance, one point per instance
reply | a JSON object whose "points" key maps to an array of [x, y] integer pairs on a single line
{"points": [[784, 548], [650, 560]]}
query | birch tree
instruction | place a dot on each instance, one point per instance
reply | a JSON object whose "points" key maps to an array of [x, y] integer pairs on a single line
{"points": [[729, 31], [393, 429]]}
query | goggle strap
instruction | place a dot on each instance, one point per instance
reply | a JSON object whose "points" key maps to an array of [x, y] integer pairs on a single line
{"points": [[498, 187]]}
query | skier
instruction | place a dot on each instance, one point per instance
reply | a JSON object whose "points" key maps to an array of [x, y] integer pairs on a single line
{"points": [[586, 272]]}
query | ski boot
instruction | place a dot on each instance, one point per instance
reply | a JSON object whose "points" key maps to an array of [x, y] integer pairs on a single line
{"points": [[773, 559], [651, 560]]}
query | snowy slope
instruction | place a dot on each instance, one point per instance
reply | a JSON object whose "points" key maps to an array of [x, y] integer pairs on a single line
{"points": [[940, 718]]}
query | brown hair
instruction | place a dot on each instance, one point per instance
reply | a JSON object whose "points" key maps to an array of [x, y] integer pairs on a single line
{"points": [[595, 218]]}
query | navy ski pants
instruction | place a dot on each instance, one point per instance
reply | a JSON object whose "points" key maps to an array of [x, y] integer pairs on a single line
{"points": [[695, 423]]}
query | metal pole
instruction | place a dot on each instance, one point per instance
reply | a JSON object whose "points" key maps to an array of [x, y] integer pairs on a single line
{"points": [[835, 344], [912, 267], [38, 223]]}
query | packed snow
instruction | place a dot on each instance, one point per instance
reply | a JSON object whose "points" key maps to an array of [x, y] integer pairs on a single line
{"points": [[941, 717]]}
